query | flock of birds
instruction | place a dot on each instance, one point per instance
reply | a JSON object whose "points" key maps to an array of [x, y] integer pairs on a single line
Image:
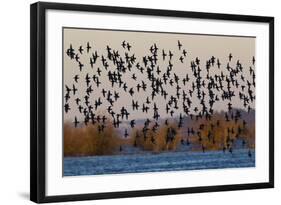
{"points": [[194, 94]]}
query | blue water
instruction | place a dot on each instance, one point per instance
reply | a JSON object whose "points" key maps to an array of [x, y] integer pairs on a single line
{"points": [[148, 162]]}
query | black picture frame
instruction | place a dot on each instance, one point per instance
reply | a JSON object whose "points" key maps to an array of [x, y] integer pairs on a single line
{"points": [[38, 100]]}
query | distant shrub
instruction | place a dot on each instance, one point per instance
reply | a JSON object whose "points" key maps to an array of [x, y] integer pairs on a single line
{"points": [[215, 134], [218, 133], [87, 140], [157, 141]]}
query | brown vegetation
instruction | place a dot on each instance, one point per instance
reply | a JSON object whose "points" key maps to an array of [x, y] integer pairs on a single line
{"points": [[87, 140], [219, 133], [156, 141], [215, 134]]}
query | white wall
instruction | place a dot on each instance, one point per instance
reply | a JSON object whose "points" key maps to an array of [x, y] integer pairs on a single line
{"points": [[14, 101]]}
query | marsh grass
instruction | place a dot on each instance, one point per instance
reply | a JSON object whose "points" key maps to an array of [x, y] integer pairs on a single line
{"points": [[88, 141], [156, 141]]}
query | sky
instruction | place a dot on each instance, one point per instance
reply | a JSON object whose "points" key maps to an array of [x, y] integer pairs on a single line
{"points": [[201, 46]]}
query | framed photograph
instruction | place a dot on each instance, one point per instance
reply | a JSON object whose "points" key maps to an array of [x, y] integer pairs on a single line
{"points": [[129, 102]]}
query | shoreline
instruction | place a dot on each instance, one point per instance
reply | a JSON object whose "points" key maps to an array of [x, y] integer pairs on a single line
{"points": [[159, 153]]}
